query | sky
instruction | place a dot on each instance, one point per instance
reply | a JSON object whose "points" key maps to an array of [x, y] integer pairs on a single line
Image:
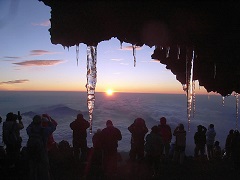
{"points": [[30, 62]]}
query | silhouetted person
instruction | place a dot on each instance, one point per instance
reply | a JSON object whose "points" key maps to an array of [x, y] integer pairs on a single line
{"points": [[12, 138], [96, 154], [200, 141], [51, 144], [79, 127], [138, 130], [165, 132], [228, 143], [37, 148], [153, 148], [217, 151], [0, 119], [210, 139], [236, 150], [180, 143], [110, 137]]}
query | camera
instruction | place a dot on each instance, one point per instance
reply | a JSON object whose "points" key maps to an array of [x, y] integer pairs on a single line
{"points": [[19, 117]]}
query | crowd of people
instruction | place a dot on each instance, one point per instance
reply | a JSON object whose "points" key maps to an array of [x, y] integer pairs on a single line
{"points": [[151, 147]]}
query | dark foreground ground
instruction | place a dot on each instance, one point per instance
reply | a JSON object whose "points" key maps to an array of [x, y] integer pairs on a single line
{"points": [[68, 169]]}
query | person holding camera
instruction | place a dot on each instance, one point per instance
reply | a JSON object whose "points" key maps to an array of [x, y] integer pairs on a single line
{"points": [[200, 141], [180, 144], [210, 139], [11, 137]]}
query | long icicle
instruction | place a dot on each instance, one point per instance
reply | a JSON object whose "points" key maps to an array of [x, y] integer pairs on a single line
{"points": [[190, 90], [179, 52], [91, 81], [77, 53], [194, 98], [215, 70], [237, 103], [187, 85], [168, 52], [134, 54]]}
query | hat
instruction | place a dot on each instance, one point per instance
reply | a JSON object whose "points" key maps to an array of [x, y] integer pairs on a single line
{"points": [[109, 123], [211, 125], [216, 143], [181, 126], [199, 127], [139, 122], [46, 116], [44, 121], [163, 120], [11, 117], [80, 116], [37, 119], [154, 129]]}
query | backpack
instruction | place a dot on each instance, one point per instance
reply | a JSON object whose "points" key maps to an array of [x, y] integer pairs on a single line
{"points": [[153, 144], [165, 132], [35, 146], [9, 135]]}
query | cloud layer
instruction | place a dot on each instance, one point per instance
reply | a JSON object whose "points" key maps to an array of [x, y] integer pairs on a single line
{"points": [[15, 81], [45, 23], [39, 62], [128, 48], [40, 52]]}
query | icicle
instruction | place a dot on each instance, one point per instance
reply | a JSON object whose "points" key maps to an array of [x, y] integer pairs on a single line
{"points": [[77, 53], [194, 98], [184, 87], [223, 100], [121, 44], [237, 102], [215, 70], [168, 51], [190, 90], [134, 54], [91, 80], [179, 52]]}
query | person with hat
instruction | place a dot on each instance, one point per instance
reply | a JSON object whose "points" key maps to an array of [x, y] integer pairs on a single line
{"points": [[110, 136], [51, 143], [210, 139], [180, 144], [11, 137], [138, 129], [200, 141], [37, 148], [153, 148], [166, 134], [79, 127]]}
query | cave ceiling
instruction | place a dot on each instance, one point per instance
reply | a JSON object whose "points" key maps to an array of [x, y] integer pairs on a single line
{"points": [[209, 28]]}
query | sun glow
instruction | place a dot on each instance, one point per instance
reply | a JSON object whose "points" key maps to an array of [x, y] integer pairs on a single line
{"points": [[109, 92]]}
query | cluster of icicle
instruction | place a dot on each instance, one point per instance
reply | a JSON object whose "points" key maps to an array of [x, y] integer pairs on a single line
{"points": [[189, 87], [92, 77]]}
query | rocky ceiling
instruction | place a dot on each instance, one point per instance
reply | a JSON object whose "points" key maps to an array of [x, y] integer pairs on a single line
{"points": [[210, 28]]}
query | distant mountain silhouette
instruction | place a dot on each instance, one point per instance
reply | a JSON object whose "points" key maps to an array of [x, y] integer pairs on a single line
{"points": [[56, 110], [29, 114]]}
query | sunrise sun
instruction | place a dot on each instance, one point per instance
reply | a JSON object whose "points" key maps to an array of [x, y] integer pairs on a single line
{"points": [[109, 92]]}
